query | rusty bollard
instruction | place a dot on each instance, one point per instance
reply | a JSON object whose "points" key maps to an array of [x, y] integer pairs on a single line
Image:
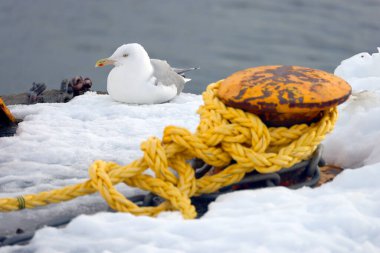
{"points": [[284, 95]]}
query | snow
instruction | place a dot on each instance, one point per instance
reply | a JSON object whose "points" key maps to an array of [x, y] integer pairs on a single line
{"points": [[360, 66], [56, 143], [355, 140]]}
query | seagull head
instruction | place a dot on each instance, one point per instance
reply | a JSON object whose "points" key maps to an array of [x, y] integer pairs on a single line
{"points": [[123, 55]]}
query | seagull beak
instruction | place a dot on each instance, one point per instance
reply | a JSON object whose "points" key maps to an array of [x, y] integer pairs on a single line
{"points": [[103, 62]]}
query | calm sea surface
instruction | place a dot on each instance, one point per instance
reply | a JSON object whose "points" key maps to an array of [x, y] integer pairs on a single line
{"points": [[46, 40]]}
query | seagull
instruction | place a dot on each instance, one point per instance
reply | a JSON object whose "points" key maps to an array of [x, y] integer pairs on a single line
{"points": [[137, 79]]}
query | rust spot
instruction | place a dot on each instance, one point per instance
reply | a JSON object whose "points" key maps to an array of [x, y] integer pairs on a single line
{"points": [[266, 93], [283, 90], [284, 74], [269, 107]]}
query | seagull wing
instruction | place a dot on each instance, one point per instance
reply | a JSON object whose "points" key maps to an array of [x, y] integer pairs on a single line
{"points": [[165, 75]]}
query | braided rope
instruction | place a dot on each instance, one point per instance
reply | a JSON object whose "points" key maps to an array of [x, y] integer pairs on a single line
{"points": [[224, 134]]}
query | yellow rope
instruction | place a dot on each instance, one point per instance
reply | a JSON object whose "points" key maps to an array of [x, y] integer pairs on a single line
{"points": [[224, 134]]}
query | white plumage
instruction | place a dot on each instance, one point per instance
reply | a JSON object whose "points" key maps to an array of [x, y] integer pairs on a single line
{"points": [[138, 79]]}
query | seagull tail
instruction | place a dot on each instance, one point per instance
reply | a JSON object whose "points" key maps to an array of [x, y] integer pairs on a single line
{"points": [[182, 72]]}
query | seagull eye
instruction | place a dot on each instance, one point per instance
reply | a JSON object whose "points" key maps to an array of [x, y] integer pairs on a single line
{"points": [[125, 55]]}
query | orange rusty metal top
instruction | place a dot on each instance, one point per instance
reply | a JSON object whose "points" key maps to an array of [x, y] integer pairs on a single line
{"points": [[283, 89], [6, 117]]}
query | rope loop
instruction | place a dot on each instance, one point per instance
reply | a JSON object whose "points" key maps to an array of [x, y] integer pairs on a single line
{"points": [[224, 134]]}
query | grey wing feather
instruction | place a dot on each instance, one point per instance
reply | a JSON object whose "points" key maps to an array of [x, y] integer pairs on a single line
{"points": [[166, 75], [182, 72]]}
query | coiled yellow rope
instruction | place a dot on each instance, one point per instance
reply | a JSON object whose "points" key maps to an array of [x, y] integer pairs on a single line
{"points": [[224, 133]]}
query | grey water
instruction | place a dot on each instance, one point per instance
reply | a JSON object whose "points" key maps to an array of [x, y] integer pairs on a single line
{"points": [[47, 40]]}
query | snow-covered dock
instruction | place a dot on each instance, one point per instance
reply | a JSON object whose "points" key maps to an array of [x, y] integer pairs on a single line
{"points": [[56, 143]]}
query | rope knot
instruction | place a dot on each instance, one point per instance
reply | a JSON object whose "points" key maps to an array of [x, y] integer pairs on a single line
{"points": [[223, 134]]}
